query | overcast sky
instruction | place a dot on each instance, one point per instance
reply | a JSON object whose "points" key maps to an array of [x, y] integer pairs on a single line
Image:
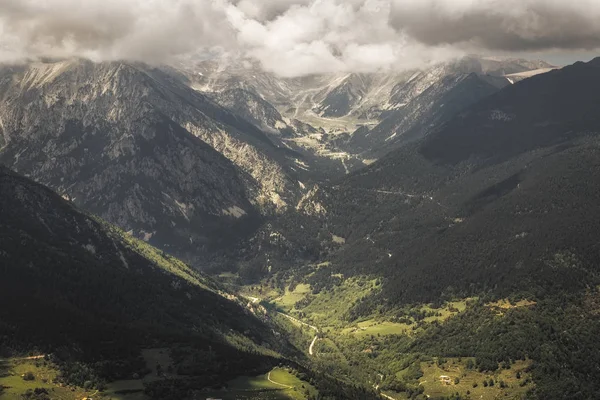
{"points": [[297, 37]]}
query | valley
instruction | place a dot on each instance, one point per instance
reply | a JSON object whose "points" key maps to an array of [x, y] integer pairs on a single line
{"points": [[353, 346], [211, 230]]}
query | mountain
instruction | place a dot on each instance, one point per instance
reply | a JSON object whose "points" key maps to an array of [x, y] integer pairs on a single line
{"points": [[78, 288], [475, 242], [437, 104], [489, 67], [355, 112], [499, 191], [359, 95], [104, 314], [253, 108], [433, 96], [138, 147], [371, 96]]}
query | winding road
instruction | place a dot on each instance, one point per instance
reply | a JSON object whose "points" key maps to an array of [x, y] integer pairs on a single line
{"points": [[255, 300], [312, 344], [277, 383]]}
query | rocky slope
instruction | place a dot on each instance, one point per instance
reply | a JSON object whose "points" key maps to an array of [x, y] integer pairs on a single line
{"points": [[434, 106], [431, 97], [250, 106], [346, 107], [138, 147]]}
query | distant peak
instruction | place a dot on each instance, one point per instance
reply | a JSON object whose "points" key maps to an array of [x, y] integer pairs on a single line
{"points": [[595, 62]]}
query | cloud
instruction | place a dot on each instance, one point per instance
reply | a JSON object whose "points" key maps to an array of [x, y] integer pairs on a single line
{"points": [[147, 30], [295, 37], [506, 25]]}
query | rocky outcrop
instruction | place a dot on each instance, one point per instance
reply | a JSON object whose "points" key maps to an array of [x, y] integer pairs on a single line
{"points": [[141, 149]]}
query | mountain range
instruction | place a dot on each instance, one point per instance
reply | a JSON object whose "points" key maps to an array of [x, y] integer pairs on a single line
{"points": [[393, 224], [138, 147]]}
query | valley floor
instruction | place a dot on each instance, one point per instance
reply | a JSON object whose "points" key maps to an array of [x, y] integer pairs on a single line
{"points": [[376, 352]]}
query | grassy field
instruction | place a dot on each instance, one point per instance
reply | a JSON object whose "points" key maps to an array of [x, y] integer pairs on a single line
{"points": [[467, 378], [450, 309], [132, 389], [287, 301], [373, 327], [279, 384], [329, 307], [501, 306], [384, 327], [11, 372]]}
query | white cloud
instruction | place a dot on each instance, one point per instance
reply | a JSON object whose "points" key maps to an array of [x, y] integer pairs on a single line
{"points": [[295, 37]]}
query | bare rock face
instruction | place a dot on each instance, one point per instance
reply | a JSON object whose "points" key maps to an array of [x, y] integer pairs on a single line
{"points": [[251, 106], [141, 149]]}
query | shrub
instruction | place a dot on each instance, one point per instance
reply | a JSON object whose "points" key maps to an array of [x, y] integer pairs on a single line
{"points": [[28, 376]]}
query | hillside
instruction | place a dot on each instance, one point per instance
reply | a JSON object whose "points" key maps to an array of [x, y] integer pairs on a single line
{"points": [[104, 314], [88, 293], [360, 116], [138, 147], [437, 104], [499, 191], [469, 253]]}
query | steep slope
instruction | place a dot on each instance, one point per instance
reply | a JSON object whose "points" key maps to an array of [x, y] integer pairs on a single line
{"points": [[79, 288], [249, 105], [340, 100], [346, 107], [437, 104], [431, 97], [498, 209], [519, 76], [499, 192], [403, 93], [138, 147]]}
